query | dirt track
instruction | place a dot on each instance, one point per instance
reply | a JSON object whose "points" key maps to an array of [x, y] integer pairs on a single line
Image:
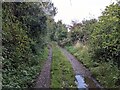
{"points": [[43, 80], [80, 69]]}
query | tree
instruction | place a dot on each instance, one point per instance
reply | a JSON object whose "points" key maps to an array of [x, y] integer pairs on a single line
{"points": [[105, 37], [23, 38]]}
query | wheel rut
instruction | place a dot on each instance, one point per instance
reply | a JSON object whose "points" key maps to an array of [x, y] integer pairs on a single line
{"points": [[43, 80], [81, 71]]}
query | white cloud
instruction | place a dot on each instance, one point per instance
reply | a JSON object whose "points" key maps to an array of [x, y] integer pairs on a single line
{"points": [[79, 9]]}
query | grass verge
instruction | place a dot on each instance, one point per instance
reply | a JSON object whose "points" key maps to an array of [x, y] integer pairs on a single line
{"points": [[105, 72], [62, 75]]}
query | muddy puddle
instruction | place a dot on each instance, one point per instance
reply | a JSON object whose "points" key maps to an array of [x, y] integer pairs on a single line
{"points": [[86, 82], [83, 77]]}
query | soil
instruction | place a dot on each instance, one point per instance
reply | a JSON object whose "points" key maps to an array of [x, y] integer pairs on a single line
{"points": [[80, 69], [43, 80]]}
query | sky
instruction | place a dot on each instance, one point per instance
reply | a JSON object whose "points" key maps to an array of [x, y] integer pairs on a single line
{"points": [[78, 10]]}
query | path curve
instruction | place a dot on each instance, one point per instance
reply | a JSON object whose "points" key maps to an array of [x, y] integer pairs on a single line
{"points": [[43, 80]]}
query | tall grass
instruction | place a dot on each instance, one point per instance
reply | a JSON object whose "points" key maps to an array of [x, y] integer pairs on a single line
{"points": [[105, 72]]}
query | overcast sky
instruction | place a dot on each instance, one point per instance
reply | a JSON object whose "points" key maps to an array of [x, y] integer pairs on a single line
{"points": [[79, 9]]}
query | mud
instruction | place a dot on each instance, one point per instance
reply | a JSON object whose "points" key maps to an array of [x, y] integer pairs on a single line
{"points": [[80, 70], [43, 80]]}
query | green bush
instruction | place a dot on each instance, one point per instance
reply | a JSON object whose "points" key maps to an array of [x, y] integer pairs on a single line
{"points": [[106, 73], [105, 37], [23, 39]]}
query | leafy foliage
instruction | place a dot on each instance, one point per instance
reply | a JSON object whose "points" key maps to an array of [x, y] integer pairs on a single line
{"points": [[106, 36], [59, 33], [23, 39], [99, 47], [28, 27]]}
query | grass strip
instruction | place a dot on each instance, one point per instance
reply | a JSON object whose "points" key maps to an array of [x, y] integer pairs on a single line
{"points": [[62, 75]]}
